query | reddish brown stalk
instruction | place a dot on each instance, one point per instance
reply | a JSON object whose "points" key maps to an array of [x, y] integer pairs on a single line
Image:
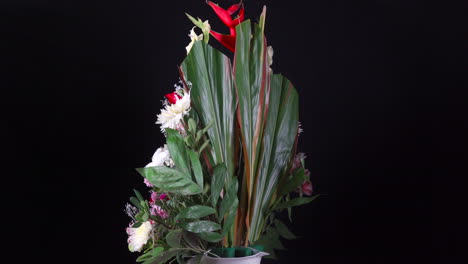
{"points": [[182, 78]]}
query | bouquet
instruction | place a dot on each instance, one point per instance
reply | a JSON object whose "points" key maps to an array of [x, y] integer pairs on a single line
{"points": [[229, 167]]}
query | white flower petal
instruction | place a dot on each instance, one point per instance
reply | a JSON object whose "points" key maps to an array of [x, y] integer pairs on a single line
{"points": [[171, 115], [139, 236]]}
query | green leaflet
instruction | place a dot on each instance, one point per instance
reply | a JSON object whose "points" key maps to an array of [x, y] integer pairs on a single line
{"points": [[201, 226], [191, 240], [170, 180], [217, 182], [213, 98], [211, 236], [196, 167], [153, 253], [136, 202], [283, 230], [178, 150], [270, 240], [174, 238], [138, 195], [297, 178], [164, 256], [296, 202], [228, 200], [230, 216], [196, 211]]}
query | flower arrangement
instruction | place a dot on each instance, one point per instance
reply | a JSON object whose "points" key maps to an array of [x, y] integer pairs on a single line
{"points": [[229, 166]]}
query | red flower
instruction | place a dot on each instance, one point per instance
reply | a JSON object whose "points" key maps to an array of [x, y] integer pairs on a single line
{"points": [[172, 97], [226, 15], [229, 41]]}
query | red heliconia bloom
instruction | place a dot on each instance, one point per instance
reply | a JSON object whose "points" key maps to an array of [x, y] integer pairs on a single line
{"points": [[172, 97], [229, 41], [225, 15]]}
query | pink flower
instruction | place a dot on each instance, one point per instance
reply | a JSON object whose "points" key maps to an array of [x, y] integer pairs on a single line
{"points": [[154, 197], [156, 210], [147, 183], [306, 188], [298, 159], [163, 214], [163, 196]]}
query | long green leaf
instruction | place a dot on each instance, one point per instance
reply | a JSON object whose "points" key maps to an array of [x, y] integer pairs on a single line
{"points": [[278, 142], [212, 97], [170, 180], [296, 202], [196, 167], [252, 79], [228, 200], [283, 230], [217, 182]]}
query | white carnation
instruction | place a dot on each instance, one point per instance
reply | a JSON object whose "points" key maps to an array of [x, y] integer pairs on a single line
{"points": [[172, 114]]}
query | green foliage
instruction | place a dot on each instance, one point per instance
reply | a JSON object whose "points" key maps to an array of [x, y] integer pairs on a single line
{"points": [[196, 167], [213, 98], [283, 230], [170, 180], [268, 119], [153, 253], [228, 200], [178, 150], [236, 151], [195, 138], [296, 202], [270, 240], [174, 238], [295, 181], [164, 256], [217, 182], [196, 211], [201, 226], [211, 236]]}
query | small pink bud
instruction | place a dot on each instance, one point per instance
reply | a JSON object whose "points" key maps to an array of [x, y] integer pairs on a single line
{"points": [[147, 183], [163, 196], [306, 188]]}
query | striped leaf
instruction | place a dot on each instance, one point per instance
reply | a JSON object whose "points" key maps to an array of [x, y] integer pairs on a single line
{"points": [[212, 94]]}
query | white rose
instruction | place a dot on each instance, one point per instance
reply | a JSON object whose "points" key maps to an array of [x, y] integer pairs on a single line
{"points": [[139, 236]]}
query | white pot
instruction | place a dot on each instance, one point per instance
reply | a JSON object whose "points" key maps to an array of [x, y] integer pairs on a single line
{"points": [[254, 259]]}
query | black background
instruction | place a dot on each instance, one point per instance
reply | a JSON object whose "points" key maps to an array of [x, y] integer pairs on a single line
{"points": [[382, 98]]}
